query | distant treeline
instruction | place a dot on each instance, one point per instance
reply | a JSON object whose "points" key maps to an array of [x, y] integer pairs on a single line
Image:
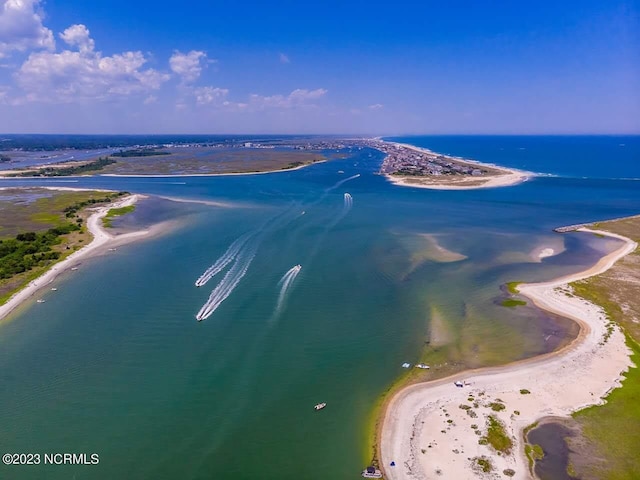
{"points": [[139, 152], [28, 142], [66, 171], [31, 249]]}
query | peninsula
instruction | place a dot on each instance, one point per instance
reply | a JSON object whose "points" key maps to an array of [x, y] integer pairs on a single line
{"points": [[59, 227], [412, 166], [474, 423]]}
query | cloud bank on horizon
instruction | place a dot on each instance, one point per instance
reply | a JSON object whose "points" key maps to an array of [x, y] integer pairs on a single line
{"points": [[61, 80]]}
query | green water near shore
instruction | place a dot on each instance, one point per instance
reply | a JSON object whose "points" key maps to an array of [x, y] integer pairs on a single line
{"points": [[114, 362]]}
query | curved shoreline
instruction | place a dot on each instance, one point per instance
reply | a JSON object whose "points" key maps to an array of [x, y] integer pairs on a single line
{"points": [[509, 176], [160, 175], [100, 238], [560, 382]]}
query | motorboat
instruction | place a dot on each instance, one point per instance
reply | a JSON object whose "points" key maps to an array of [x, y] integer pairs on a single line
{"points": [[320, 406], [371, 472]]}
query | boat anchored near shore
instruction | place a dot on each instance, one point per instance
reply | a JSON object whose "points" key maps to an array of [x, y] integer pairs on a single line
{"points": [[371, 472]]}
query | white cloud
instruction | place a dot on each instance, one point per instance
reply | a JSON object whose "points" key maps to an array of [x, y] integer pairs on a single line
{"points": [[284, 58], [187, 65], [376, 106], [78, 36], [86, 74], [21, 27], [299, 97], [211, 96]]}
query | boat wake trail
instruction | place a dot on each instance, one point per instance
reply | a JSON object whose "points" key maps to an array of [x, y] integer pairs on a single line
{"points": [[241, 253], [348, 202], [285, 283], [342, 181], [226, 258], [228, 283]]}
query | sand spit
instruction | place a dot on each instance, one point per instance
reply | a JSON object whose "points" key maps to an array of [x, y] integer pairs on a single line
{"points": [[435, 252], [434, 429], [507, 177], [101, 239]]}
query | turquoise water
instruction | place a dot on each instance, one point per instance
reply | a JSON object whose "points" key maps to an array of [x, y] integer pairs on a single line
{"points": [[115, 363]]}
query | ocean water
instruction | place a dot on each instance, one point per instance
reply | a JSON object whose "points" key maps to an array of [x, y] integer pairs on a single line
{"points": [[115, 363], [597, 156]]}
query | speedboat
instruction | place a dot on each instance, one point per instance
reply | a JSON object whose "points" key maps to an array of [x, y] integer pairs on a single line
{"points": [[40, 300], [319, 406], [54, 289]]}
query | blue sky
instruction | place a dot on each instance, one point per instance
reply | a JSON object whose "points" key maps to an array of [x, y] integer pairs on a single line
{"points": [[333, 67]]}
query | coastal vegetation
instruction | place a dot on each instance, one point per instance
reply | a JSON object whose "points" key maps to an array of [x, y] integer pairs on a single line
{"points": [[203, 160], [483, 464], [60, 170], [41, 227], [107, 220], [512, 302], [512, 287], [140, 152], [533, 452], [497, 435], [31, 249], [606, 446]]}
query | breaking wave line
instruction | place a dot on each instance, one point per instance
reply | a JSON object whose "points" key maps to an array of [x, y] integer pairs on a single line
{"points": [[228, 283], [226, 258], [285, 282]]}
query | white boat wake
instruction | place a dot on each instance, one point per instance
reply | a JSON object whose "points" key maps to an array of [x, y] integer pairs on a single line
{"points": [[348, 202], [228, 283], [226, 258], [241, 253], [285, 283], [342, 181]]}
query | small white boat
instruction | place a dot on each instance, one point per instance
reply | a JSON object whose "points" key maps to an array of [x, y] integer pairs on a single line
{"points": [[423, 366], [73, 269], [406, 365], [371, 472], [458, 384], [319, 406], [54, 289], [40, 300]]}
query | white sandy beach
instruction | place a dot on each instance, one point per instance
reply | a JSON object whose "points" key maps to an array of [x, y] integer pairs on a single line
{"points": [[508, 176], [101, 238], [428, 435]]}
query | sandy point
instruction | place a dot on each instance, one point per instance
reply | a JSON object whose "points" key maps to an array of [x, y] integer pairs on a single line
{"points": [[505, 178], [435, 429], [101, 240]]}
